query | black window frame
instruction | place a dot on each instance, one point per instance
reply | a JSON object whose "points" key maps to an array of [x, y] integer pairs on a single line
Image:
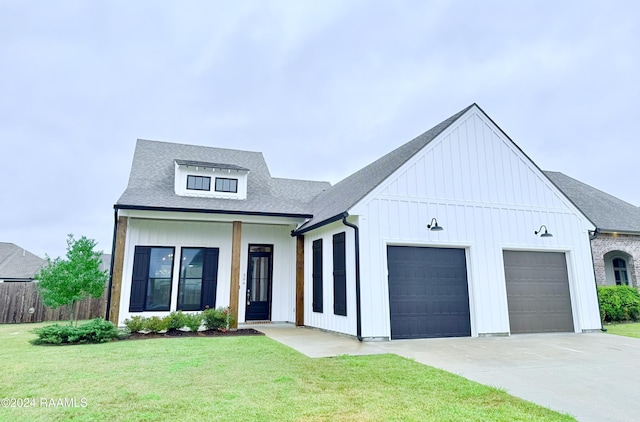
{"points": [[138, 299], [208, 279], [223, 180], [316, 276], [339, 274], [196, 179]]}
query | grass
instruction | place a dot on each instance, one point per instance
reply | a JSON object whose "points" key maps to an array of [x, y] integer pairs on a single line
{"points": [[236, 378], [628, 329]]}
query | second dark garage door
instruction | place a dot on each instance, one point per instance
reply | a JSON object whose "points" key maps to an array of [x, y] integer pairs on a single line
{"points": [[538, 292], [428, 292]]}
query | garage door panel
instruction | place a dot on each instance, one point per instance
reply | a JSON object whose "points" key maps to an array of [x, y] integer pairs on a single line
{"points": [[538, 293], [428, 293]]}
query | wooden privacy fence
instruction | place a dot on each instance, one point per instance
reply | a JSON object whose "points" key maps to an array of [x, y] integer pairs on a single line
{"points": [[20, 302]]}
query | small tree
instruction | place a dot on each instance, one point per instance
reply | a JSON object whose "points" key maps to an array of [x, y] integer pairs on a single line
{"points": [[64, 282]]}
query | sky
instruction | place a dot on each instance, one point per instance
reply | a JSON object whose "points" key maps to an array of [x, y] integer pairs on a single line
{"points": [[322, 88]]}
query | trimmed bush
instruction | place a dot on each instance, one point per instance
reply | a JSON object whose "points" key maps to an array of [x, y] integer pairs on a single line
{"points": [[135, 324], [214, 319], [175, 320], [619, 303], [155, 324], [99, 331], [94, 331], [193, 321], [217, 319]]}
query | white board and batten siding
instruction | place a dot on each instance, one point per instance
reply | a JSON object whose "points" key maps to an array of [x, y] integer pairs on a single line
{"points": [[327, 320], [212, 234], [489, 197]]}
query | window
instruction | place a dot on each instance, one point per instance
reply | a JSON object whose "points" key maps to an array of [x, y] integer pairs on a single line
{"points": [[151, 283], [198, 183], [317, 276], [198, 279], [620, 271], [226, 185], [339, 275]]}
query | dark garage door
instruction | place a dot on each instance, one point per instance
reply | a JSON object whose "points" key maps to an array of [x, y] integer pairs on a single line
{"points": [[428, 294], [538, 292]]}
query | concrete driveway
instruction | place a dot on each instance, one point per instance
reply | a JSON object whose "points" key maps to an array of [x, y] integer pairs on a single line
{"points": [[593, 377]]}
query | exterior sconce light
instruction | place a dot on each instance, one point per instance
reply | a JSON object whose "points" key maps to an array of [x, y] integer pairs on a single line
{"points": [[545, 234], [433, 226]]}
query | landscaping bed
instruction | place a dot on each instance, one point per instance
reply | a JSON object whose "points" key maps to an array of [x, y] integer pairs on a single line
{"points": [[206, 333]]}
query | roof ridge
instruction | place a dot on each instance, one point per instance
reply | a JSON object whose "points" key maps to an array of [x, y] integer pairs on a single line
{"points": [[196, 145], [372, 175], [11, 256]]}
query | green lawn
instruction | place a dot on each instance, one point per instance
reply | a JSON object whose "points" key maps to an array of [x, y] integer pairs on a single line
{"points": [[235, 378], [629, 329]]}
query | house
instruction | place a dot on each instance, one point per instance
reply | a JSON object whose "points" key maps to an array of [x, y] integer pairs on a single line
{"points": [[455, 233], [616, 246], [18, 264]]}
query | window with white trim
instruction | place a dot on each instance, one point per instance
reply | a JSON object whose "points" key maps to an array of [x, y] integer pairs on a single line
{"points": [[620, 271]]}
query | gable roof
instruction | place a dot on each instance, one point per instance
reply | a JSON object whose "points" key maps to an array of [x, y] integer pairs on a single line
{"points": [[151, 182], [18, 263], [608, 213], [333, 203]]}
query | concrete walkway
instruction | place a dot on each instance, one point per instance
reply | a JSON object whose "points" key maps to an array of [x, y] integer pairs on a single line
{"points": [[593, 377]]}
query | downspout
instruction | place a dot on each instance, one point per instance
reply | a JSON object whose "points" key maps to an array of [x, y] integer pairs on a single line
{"points": [[593, 237], [113, 254], [356, 232]]}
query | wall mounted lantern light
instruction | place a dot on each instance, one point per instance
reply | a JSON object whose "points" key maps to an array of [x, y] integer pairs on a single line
{"points": [[545, 234], [433, 226]]}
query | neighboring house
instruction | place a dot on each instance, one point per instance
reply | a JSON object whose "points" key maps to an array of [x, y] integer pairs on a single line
{"points": [[616, 249], [105, 262], [456, 233], [18, 264]]}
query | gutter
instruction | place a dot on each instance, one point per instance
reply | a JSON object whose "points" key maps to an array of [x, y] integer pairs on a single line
{"points": [[356, 232], [209, 211], [113, 255], [319, 224], [593, 237]]}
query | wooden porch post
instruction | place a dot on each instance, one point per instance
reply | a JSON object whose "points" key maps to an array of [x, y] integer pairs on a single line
{"points": [[299, 281], [118, 268], [235, 272]]}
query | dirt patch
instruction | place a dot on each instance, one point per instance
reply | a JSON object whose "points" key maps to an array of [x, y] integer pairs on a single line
{"points": [[207, 333]]}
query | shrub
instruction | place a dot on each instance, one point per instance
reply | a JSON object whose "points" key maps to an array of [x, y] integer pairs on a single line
{"points": [[193, 321], [98, 331], [619, 303], [156, 324], [216, 319], [94, 331], [56, 334], [175, 320], [135, 324]]}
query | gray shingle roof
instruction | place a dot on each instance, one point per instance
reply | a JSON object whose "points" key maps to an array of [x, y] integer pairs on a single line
{"points": [[346, 193], [151, 182], [607, 212], [18, 263], [204, 164]]}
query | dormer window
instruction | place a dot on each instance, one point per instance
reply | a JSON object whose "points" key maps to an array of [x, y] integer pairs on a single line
{"points": [[226, 185], [210, 180], [199, 183]]}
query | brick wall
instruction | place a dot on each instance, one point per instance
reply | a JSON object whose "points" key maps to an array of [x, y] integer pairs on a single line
{"points": [[607, 242]]}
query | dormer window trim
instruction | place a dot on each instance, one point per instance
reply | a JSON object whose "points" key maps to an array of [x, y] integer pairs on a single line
{"points": [[194, 178]]}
